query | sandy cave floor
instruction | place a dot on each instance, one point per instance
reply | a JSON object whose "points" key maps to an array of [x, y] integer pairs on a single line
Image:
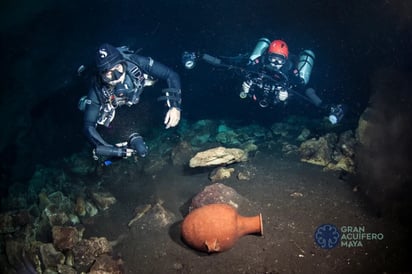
{"points": [[287, 245]]}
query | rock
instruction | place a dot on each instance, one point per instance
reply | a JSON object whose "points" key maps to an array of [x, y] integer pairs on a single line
{"points": [[345, 163], [161, 216], [61, 268], [318, 152], [87, 250], [73, 219], [80, 207], [13, 249], [65, 238], [249, 147], [153, 217], [57, 208], [364, 126], [215, 194], [69, 258], [227, 136], [218, 156], [243, 176], [13, 220], [221, 173], [139, 212], [304, 135], [280, 129], [50, 256], [347, 143], [105, 264], [6, 223], [43, 200], [289, 149], [198, 133], [55, 215], [91, 209], [103, 200], [296, 194], [181, 154]]}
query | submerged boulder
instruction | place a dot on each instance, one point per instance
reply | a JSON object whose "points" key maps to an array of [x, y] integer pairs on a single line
{"points": [[217, 194], [218, 156], [331, 151], [88, 250], [105, 264], [152, 217], [318, 151]]}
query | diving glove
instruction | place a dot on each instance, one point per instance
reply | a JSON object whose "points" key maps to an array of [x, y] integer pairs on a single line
{"points": [[283, 95]]}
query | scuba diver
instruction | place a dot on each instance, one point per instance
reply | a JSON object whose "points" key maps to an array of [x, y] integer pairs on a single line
{"points": [[272, 75], [120, 79]]}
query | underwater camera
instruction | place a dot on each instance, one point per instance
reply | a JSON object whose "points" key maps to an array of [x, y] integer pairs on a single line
{"points": [[136, 143]]}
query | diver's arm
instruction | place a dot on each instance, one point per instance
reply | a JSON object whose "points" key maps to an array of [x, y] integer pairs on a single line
{"points": [[91, 114], [102, 148], [158, 70]]}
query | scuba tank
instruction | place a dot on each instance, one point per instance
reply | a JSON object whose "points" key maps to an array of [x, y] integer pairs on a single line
{"points": [[305, 65], [261, 46]]}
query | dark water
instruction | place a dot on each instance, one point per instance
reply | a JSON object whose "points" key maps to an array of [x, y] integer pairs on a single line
{"points": [[44, 42]]}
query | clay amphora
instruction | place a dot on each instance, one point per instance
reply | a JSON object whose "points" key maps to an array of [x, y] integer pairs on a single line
{"points": [[216, 227]]}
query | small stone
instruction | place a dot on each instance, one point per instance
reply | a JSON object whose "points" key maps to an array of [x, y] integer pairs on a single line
{"points": [[177, 266], [106, 264], [103, 200], [221, 173], [296, 194], [243, 176], [80, 207]]}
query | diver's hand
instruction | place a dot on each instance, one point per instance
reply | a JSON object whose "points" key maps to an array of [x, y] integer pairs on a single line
{"points": [[283, 95], [172, 117], [126, 151]]}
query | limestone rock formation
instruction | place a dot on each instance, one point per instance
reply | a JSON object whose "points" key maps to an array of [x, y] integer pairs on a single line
{"points": [[217, 194], [218, 156], [152, 217], [318, 151]]}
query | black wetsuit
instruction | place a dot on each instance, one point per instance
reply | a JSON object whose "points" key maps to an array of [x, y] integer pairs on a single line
{"points": [[137, 70]]}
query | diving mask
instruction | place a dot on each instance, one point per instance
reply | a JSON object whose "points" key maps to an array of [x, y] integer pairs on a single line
{"points": [[276, 60], [114, 75]]}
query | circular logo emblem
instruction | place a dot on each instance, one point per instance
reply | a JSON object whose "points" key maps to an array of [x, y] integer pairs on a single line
{"points": [[327, 236], [103, 53]]}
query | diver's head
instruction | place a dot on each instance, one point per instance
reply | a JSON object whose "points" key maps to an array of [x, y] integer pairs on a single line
{"points": [[110, 64], [277, 54], [114, 75]]}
